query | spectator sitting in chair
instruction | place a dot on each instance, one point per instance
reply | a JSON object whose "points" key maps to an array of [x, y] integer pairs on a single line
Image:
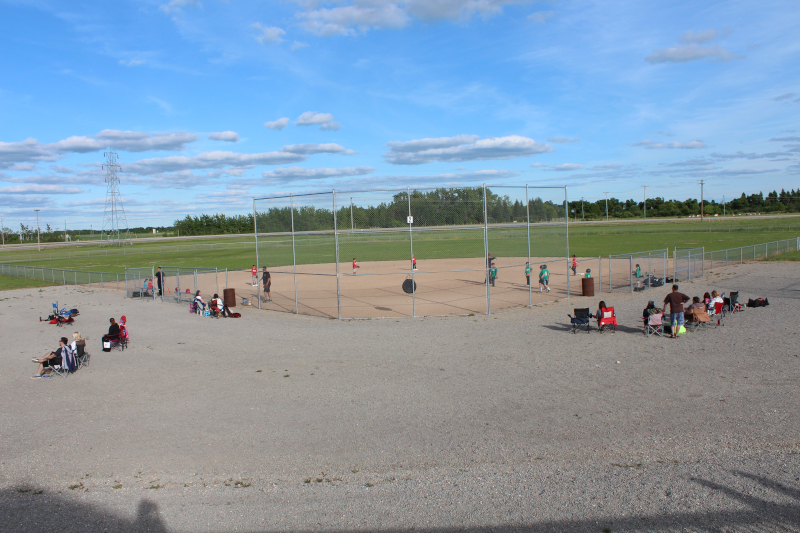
{"points": [[695, 303], [199, 303], [218, 306], [51, 359], [651, 309], [715, 299], [113, 331], [599, 313]]}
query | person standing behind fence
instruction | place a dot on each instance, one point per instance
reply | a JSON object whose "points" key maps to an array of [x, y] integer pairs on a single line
{"points": [[159, 279], [492, 274], [413, 262], [527, 273], [675, 300], [266, 279], [574, 265], [355, 266], [544, 276], [254, 272]]}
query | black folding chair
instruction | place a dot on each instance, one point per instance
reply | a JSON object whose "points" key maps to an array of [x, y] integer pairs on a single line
{"points": [[580, 320]]}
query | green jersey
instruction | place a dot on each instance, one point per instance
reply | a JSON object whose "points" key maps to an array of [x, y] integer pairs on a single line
{"points": [[493, 272], [544, 274], [527, 270]]}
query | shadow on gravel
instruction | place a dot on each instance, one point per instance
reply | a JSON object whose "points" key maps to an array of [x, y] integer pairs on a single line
{"points": [[26, 509], [567, 328]]}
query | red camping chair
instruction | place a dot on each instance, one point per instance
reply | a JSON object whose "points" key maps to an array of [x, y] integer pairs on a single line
{"points": [[607, 318]]}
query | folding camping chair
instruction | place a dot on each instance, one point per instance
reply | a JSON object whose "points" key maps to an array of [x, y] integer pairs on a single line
{"points": [[68, 362], [81, 355], [655, 325], [608, 318], [718, 313], [732, 304], [580, 320], [699, 319]]}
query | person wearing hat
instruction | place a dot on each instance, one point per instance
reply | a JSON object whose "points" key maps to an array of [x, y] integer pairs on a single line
{"points": [[574, 265], [544, 276], [527, 274], [588, 273]]}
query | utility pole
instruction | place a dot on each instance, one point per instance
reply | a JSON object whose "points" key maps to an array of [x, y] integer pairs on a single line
{"points": [[606, 205], [65, 231], [723, 205], [351, 214], [582, 218], [701, 199], [38, 242], [645, 201], [3, 229]]}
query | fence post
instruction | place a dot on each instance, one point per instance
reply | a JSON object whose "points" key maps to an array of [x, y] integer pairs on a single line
{"points": [[178, 277], [255, 232], [528, 231], [726, 257], [101, 280], [411, 244], [216, 277], [566, 222], [294, 256], [336, 247], [610, 284], [118, 281], [703, 266], [64, 279], [486, 251], [599, 273], [226, 282]]}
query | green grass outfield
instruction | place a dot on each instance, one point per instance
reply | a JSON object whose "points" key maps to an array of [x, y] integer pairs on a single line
{"points": [[8, 283], [586, 240]]}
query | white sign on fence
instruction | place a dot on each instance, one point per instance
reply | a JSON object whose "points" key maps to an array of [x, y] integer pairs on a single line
{"points": [[410, 219]]}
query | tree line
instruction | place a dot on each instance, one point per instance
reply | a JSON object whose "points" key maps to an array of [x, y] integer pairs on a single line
{"points": [[774, 202]]}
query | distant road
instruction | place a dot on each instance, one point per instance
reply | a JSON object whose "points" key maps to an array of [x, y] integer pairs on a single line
{"points": [[711, 220]]}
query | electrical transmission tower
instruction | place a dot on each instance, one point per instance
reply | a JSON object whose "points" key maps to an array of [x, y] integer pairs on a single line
{"points": [[115, 225]]}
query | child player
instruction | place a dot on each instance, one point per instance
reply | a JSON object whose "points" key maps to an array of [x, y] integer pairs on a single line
{"points": [[254, 273], [527, 273], [355, 266], [544, 275]]}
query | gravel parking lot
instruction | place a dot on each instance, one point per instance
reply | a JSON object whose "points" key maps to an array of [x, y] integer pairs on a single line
{"points": [[507, 422]]}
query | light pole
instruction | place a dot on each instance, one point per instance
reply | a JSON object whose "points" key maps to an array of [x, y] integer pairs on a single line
{"points": [[645, 201], [3, 230], [582, 218], [606, 205], [701, 200], [723, 205], [38, 242], [351, 214]]}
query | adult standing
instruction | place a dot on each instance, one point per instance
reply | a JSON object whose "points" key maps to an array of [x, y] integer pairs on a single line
{"points": [[266, 279], [159, 280], [675, 299]]}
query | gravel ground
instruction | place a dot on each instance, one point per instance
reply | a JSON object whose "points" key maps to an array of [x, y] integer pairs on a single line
{"points": [[275, 422]]}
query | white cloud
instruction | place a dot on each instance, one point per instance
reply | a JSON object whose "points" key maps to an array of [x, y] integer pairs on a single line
{"points": [[312, 118], [344, 20], [269, 34], [698, 36], [363, 15], [562, 140], [690, 163], [27, 150], [566, 167], [165, 106], [228, 136], [607, 167], [293, 153], [131, 141], [785, 139], [205, 160], [284, 175], [742, 155], [657, 145], [297, 45], [309, 149], [540, 165], [47, 189], [540, 17], [462, 148], [690, 52], [277, 124], [177, 5], [131, 62]]}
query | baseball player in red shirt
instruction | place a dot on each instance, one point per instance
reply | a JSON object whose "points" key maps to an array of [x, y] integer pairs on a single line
{"points": [[355, 266]]}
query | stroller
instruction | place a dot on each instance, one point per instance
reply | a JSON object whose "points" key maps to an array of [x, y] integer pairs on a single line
{"points": [[61, 317], [580, 320]]}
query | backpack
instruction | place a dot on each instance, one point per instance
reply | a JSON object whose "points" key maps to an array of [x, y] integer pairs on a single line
{"points": [[758, 302], [236, 315]]}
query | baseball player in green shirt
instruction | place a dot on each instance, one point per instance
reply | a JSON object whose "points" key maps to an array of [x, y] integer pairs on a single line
{"points": [[528, 273], [544, 276]]}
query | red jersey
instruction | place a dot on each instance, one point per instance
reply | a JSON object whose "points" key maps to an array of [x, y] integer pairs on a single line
{"points": [[254, 270], [354, 264]]}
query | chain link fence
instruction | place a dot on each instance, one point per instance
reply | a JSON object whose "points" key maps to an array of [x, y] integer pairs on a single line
{"points": [[636, 271], [411, 252], [107, 280]]}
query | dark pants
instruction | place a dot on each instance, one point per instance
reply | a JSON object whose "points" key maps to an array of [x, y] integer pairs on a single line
{"points": [[527, 280]]}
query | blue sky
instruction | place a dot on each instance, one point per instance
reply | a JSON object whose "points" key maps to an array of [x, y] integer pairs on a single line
{"points": [[211, 103]]}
